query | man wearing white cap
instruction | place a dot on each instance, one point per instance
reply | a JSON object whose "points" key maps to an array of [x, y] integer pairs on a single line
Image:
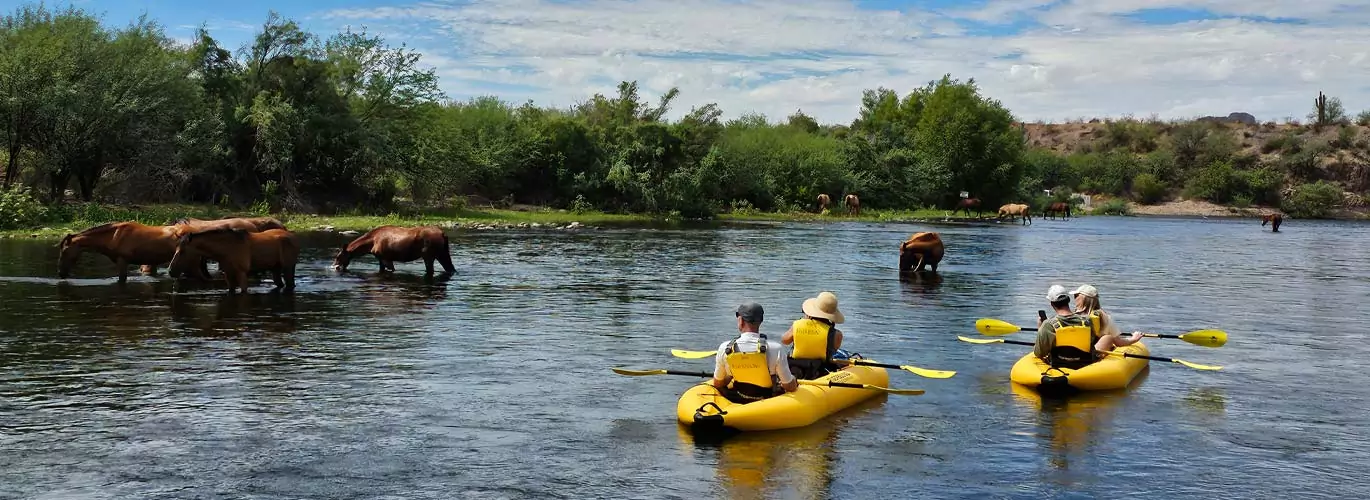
{"points": [[749, 367], [1046, 329]]}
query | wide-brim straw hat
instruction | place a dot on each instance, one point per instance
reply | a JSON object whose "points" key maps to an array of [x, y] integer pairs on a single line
{"points": [[824, 306]]}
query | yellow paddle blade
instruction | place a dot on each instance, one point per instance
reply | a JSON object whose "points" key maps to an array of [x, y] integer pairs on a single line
{"points": [[989, 326], [1196, 366], [681, 353], [1206, 338], [903, 392], [979, 341], [638, 373], [924, 372]]}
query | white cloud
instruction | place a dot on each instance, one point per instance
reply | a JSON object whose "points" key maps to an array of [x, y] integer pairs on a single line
{"points": [[775, 56]]}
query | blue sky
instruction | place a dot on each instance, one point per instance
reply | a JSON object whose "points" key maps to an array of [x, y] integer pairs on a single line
{"points": [[1045, 60]]}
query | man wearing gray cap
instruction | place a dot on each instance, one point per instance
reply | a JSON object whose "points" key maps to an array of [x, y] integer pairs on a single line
{"points": [[748, 367], [1046, 328]]}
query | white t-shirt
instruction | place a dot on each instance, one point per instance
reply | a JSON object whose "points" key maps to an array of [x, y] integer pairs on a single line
{"points": [[776, 357]]}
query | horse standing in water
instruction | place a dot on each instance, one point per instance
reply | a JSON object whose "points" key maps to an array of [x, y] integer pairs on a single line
{"points": [[124, 243], [404, 244], [1016, 209], [1060, 208], [1274, 220], [853, 204], [191, 225], [239, 252]]}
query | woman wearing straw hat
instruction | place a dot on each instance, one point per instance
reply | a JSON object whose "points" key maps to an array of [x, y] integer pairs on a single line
{"points": [[815, 337]]}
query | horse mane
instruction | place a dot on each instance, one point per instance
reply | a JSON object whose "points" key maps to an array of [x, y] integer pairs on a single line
{"points": [[365, 239], [102, 228]]}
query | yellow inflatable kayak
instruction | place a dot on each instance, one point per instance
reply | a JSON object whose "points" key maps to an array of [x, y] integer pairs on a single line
{"points": [[1112, 372], [703, 408]]}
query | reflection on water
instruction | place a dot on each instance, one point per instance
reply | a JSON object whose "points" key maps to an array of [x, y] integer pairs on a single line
{"points": [[494, 381], [1074, 425], [788, 463]]}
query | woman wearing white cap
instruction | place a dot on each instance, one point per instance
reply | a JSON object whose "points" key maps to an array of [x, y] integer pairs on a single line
{"points": [[1086, 303]]}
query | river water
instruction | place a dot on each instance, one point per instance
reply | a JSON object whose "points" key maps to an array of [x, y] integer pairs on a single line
{"points": [[495, 382]]}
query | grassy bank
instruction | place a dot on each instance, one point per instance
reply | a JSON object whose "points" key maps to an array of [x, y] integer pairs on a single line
{"points": [[81, 217]]}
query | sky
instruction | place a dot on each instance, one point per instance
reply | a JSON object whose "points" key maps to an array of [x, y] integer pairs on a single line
{"points": [[1044, 60]]}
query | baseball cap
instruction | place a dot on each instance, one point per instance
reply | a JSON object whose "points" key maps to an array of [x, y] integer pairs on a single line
{"points": [[1086, 290], [750, 312], [1057, 293]]}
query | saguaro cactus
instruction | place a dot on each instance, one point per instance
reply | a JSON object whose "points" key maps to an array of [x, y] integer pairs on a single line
{"points": [[1320, 104]]}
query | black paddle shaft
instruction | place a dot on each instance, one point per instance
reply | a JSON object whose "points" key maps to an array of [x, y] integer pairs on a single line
{"points": [[690, 374]]}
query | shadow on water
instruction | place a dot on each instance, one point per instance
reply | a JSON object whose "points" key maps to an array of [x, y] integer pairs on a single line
{"points": [[1074, 426], [921, 282], [787, 463]]}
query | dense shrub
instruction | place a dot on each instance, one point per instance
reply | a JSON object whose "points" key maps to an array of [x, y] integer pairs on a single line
{"points": [[1217, 183], [1116, 206], [1312, 201], [19, 208], [1147, 189]]}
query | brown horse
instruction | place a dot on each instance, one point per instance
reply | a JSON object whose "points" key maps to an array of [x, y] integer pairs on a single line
{"points": [[1016, 209], [239, 252], [853, 204], [1054, 209], [191, 225], [823, 202], [921, 249], [404, 244], [967, 204], [1274, 220], [123, 242]]}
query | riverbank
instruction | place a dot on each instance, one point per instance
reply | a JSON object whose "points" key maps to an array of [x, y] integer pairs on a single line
{"points": [[528, 217], [478, 219], [1200, 208]]}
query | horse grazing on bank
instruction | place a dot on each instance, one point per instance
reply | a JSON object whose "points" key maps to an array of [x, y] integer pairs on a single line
{"points": [[853, 204], [1274, 220], [404, 244], [239, 252], [1016, 209], [967, 204], [921, 249], [823, 202], [1058, 208], [124, 243]]}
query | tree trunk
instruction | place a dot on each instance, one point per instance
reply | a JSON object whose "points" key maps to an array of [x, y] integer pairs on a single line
{"points": [[12, 166], [58, 183]]}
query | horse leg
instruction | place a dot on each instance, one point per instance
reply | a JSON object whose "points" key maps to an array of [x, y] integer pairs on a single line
{"points": [[276, 277], [241, 276], [445, 259], [428, 263], [122, 263]]}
